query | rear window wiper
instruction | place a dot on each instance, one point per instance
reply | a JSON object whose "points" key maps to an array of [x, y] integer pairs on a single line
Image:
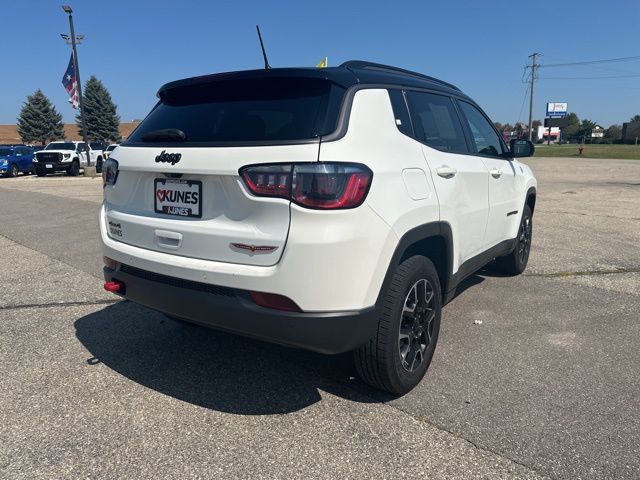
{"points": [[167, 134]]}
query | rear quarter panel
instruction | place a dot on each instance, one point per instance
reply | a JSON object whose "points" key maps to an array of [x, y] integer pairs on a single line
{"points": [[402, 192]]}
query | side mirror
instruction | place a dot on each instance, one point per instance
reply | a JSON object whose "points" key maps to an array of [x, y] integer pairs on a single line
{"points": [[521, 148]]}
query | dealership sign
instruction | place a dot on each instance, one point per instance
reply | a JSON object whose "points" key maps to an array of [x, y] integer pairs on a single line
{"points": [[556, 110]]}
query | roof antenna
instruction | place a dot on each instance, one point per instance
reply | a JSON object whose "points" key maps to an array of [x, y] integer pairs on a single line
{"points": [[264, 54]]}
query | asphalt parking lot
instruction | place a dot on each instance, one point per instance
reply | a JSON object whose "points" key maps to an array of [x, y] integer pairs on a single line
{"points": [[548, 385]]}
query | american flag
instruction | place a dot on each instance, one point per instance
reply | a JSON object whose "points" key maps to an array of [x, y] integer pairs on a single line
{"points": [[70, 83]]}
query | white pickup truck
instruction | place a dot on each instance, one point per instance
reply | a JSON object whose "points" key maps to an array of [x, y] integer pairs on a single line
{"points": [[64, 156]]}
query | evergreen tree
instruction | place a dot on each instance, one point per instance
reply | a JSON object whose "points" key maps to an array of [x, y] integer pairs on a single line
{"points": [[99, 112], [39, 121]]}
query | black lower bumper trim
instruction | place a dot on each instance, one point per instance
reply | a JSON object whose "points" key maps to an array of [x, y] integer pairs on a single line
{"points": [[232, 310], [55, 166]]}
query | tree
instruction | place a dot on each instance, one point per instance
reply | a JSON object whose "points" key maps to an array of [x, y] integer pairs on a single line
{"points": [[614, 132], [39, 121], [570, 132], [572, 119], [535, 124], [635, 118], [584, 131], [99, 113]]}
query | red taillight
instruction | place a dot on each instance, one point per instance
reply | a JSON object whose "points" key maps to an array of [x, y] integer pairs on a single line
{"points": [[274, 301], [312, 185], [268, 180]]}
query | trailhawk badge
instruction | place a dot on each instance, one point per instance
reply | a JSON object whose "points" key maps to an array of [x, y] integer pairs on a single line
{"points": [[254, 248], [171, 158]]}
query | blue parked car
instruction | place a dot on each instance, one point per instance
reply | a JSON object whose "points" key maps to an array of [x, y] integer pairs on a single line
{"points": [[15, 159]]}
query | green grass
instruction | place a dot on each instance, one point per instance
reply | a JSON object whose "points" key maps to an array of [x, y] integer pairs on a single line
{"points": [[590, 151]]}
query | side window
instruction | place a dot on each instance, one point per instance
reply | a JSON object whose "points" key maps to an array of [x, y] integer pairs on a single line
{"points": [[403, 122], [484, 136], [436, 122]]}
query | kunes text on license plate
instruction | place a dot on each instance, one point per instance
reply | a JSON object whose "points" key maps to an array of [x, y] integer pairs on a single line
{"points": [[178, 197]]}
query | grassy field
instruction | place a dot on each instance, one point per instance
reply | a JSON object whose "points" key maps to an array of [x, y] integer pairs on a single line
{"points": [[590, 151]]}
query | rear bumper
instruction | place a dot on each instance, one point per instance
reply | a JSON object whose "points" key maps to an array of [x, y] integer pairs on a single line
{"points": [[232, 310]]}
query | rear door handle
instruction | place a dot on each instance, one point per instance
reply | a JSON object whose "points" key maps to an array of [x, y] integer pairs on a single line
{"points": [[446, 171], [170, 240], [495, 172]]}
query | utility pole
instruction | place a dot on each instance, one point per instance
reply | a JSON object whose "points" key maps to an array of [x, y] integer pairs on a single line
{"points": [[69, 11], [534, 68]]}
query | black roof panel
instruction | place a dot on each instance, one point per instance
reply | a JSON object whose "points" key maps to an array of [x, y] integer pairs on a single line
{"points": [[348, 74]]}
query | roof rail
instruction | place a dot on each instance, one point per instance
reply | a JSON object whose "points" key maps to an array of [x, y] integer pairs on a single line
{"points": [[363, 64]]}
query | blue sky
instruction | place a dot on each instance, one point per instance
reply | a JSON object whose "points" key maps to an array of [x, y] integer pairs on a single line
{"points": [[480, 45]]}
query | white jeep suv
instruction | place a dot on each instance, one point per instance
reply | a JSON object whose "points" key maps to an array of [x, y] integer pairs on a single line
{"points": [[332, 209]]}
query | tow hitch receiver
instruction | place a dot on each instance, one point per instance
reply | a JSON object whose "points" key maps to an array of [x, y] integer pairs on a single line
{"points": [[114, 286]]}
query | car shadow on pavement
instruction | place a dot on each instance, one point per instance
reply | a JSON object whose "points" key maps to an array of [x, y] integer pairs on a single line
{"points": [[214, 369], [470, 281]]}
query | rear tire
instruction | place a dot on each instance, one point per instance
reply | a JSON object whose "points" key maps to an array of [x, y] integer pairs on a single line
{"points": [[516, 262], [99, 165], [398, 356]]}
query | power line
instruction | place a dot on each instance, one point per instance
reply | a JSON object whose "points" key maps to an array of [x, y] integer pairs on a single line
{"points": [[590, 78], [524, 99], [593, 62]]}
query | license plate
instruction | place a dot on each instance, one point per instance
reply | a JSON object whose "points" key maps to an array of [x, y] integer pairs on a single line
{"points": [[48, 165], [182, 198]]}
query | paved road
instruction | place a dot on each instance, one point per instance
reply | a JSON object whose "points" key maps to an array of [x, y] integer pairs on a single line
{"points": [[547, 385]]}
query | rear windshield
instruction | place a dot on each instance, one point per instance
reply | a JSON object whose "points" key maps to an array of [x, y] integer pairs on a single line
{"points": [[61, 146], [245, 110]]}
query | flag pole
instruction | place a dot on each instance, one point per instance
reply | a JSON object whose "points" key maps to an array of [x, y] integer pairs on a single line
{"points": [[68, 10]]}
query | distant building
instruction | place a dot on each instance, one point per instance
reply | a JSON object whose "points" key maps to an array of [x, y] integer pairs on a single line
{"points": [[597, 132], [631, 132], [543, 132]]}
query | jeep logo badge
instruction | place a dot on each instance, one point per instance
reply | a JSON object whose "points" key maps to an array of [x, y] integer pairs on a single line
{"points": [[171, 158]]}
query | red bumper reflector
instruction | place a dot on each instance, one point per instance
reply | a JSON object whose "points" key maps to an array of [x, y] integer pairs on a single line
{"points": [[113, 286], [274, 301]]}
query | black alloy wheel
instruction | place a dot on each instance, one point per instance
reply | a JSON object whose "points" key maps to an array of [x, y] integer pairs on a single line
{"points": [[524, 237], [416, 325]]}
